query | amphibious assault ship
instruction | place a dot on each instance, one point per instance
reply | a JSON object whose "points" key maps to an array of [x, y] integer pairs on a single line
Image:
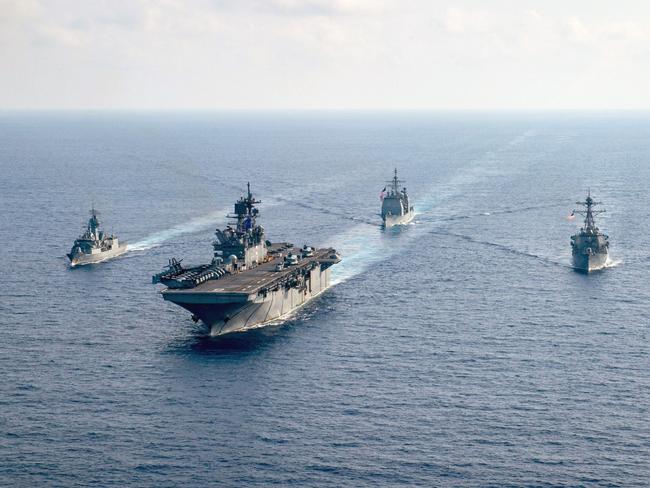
{"points": [[250, 280], [395, 207], [93, 245], [590, 246]]}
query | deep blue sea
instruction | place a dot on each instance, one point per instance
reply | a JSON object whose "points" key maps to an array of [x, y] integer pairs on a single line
{"points": [[461, 350]]}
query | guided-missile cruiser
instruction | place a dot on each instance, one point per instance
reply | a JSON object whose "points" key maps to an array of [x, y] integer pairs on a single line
{"points": [[250, 280], [590, 246], [395, 207], [94, 245]]}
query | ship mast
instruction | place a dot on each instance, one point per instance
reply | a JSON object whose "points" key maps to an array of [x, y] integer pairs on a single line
{"points": [[245, 211], [249, 201], [93, 222], [589, 212], [395, 183]]}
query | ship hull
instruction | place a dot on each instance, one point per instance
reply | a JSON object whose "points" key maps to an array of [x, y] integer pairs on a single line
{"points": [[588, 263], [82, 259], [236, 312], [393, 220]]}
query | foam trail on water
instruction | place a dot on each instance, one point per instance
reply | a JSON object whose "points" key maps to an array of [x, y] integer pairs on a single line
{"points": [[197, 224], [362, 247], [277, 199], [612, 263], [359, 250], [504, 248]]}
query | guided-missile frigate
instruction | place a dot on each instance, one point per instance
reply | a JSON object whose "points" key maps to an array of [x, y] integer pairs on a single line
{"points": [[94, 245], [395, 207], [250, 281], [590, 246]]}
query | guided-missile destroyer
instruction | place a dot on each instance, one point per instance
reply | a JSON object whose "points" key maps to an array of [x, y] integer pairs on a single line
{"points": [[250, 281], [395, 207], [590, 246], [93, 245]]}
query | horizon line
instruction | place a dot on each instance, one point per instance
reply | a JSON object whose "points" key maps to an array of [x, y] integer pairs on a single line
{"points": [[321, 109]]}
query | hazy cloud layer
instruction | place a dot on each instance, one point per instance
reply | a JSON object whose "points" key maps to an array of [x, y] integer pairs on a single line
{"points": [[324, 54]]}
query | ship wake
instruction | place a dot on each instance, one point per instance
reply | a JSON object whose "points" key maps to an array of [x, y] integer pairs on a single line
{"points": [[362, 247], [192, 226], [613, 263], [503, 248], [326, 211]]}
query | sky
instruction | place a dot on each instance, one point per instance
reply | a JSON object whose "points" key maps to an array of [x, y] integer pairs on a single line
{"points": [[325, 54]]}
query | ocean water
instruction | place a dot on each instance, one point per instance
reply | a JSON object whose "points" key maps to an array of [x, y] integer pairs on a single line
{"points": [[460, 350]]}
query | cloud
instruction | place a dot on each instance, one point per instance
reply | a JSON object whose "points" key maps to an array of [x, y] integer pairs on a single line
{"points": [[606, 32], [323, 7], [310, 53], [579, 32], [462, 21], [61, 36], [18, 10], [304, 8], [174, 17]]}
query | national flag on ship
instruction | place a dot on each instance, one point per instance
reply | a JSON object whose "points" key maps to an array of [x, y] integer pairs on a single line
{"points": [[572, 216], [382, 195]]}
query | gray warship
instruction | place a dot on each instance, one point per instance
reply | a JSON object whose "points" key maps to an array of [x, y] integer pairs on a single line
{"points": [[395, 207], [590, 247], [250, 280], [94, 245]]}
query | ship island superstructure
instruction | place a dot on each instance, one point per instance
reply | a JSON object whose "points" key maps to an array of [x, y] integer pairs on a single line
{"points": [[250, 280], [94, 245], [590, 247], [395, 206]]}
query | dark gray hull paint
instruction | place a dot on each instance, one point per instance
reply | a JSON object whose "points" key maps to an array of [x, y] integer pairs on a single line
{"points": [[587, 263]]}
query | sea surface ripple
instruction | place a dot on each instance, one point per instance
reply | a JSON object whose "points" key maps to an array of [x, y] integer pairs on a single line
{"points": [[461, 350]]}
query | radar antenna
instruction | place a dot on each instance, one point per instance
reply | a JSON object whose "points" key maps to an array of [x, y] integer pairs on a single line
{"points": [[395, 182], [93, 222], [589, 212], [245, 211]]}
